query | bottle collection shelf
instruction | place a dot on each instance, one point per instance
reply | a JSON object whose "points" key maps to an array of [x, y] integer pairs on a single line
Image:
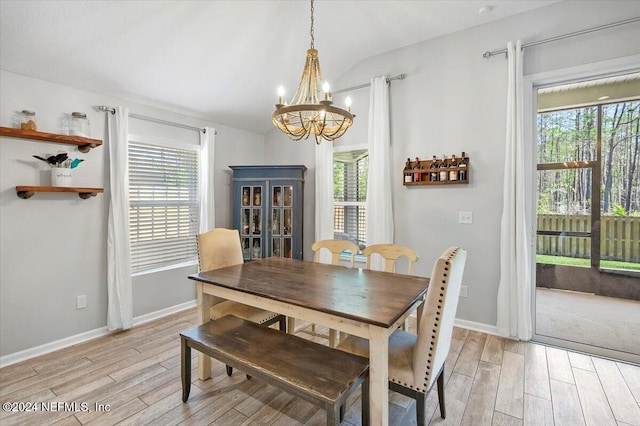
{"points": [[424, 175], [26, 192], [83, 144]]}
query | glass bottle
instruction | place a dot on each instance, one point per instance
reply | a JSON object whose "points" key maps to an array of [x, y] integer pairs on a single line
{"points": [[433, 176], [453, 171], [407, 172], [79, 125], [443, 169], [417, 175], [462, 174]]}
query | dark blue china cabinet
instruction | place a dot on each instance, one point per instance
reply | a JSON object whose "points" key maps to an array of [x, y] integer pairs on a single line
{"points": [[267, 210]]}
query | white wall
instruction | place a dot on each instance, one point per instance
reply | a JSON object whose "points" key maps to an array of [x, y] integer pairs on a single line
{"points": [[53, 246], [453, 100]]}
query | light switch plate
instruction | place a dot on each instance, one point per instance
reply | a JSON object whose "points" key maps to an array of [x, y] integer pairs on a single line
{"points": [[465, 217], [81, 302]]}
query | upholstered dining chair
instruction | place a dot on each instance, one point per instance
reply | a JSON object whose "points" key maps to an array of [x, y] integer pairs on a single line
{"points": [[336, 248], [219, 248], [391, 253], [416, 362]]}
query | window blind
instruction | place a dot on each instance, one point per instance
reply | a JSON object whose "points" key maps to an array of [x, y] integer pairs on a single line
{"points": [[163, 205], [350, 171]]}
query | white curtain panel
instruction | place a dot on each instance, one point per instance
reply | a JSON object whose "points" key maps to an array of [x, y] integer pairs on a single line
{"points": [[324, 196], [514, 291], [379, 211], [207, 156], [119, 292]]}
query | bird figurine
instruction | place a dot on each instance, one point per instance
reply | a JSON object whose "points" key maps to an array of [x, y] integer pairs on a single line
{"points": [[75, 163]]}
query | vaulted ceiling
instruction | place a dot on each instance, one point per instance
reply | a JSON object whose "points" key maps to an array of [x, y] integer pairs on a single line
{"points": [[221, 60]]}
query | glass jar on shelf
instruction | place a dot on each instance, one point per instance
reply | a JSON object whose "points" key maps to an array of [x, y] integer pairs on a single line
{"points": [[79, 125], [27, 120]]}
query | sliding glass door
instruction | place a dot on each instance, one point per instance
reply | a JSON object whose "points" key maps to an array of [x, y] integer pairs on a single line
{"points": [[588, 216]]}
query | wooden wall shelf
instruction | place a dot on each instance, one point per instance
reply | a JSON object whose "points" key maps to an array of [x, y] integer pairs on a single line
{"points": [[425, 173], [26, 192], [83, 144]]}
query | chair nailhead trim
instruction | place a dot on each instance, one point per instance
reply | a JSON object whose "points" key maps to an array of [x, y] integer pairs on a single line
{"points": [[436, 323]]}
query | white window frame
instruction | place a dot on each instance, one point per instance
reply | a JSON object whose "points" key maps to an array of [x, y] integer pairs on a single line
{"points": [[171, 144]]}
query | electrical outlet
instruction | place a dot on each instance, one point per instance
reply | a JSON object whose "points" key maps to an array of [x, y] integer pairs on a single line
{"points": [[465, 217], [463, 291], [81, 301]]}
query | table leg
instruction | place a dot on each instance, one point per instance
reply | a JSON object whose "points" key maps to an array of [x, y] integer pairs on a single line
{"points": [[204, 306], [420, 309], [379, 375]]}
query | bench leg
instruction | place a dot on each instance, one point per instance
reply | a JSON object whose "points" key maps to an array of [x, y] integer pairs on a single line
{"points": [[365, 402], [185, 355]]}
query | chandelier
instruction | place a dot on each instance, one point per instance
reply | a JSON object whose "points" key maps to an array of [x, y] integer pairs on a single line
{"points": [[307, 113]]}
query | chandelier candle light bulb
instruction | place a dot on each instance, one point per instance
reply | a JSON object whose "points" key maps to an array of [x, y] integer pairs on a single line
{"points": [[325, 89], [281, 95]]}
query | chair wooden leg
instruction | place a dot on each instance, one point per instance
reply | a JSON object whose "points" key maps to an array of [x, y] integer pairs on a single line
{"points": [[229, 370], [421, 399], [443, 412], [342, 410], [333, 338], [185, 355], [365, 402], [282, 324], [291, 325]]}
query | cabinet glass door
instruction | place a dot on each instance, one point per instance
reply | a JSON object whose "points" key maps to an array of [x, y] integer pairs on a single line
{"points": [[281, 220], [251, 222]]}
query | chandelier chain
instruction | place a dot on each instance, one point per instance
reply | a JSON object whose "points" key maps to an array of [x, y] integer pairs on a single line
{"points": [[311, 31]]}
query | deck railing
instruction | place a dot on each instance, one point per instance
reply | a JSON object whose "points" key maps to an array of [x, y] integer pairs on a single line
{"points": [[619, 237]]}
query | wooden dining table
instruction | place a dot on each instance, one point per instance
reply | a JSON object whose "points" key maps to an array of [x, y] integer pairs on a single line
{"points": [[360, 302]]}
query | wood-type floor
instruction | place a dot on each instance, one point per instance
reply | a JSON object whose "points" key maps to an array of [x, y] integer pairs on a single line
{"points": [[133, 378]]}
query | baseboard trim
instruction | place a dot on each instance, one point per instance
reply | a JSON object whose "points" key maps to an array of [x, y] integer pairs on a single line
{"points": [[142, 319], [476, 326], [46, 348]]}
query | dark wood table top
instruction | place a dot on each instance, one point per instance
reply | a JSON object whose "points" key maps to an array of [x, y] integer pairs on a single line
{"points": [[373, 297]]}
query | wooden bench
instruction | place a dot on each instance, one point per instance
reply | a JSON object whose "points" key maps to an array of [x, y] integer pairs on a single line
{"points": [[319, 374]]}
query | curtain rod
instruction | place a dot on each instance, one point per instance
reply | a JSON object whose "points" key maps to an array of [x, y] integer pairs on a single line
{"points": [[112, 110], [362, 86], [489, 54]]}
